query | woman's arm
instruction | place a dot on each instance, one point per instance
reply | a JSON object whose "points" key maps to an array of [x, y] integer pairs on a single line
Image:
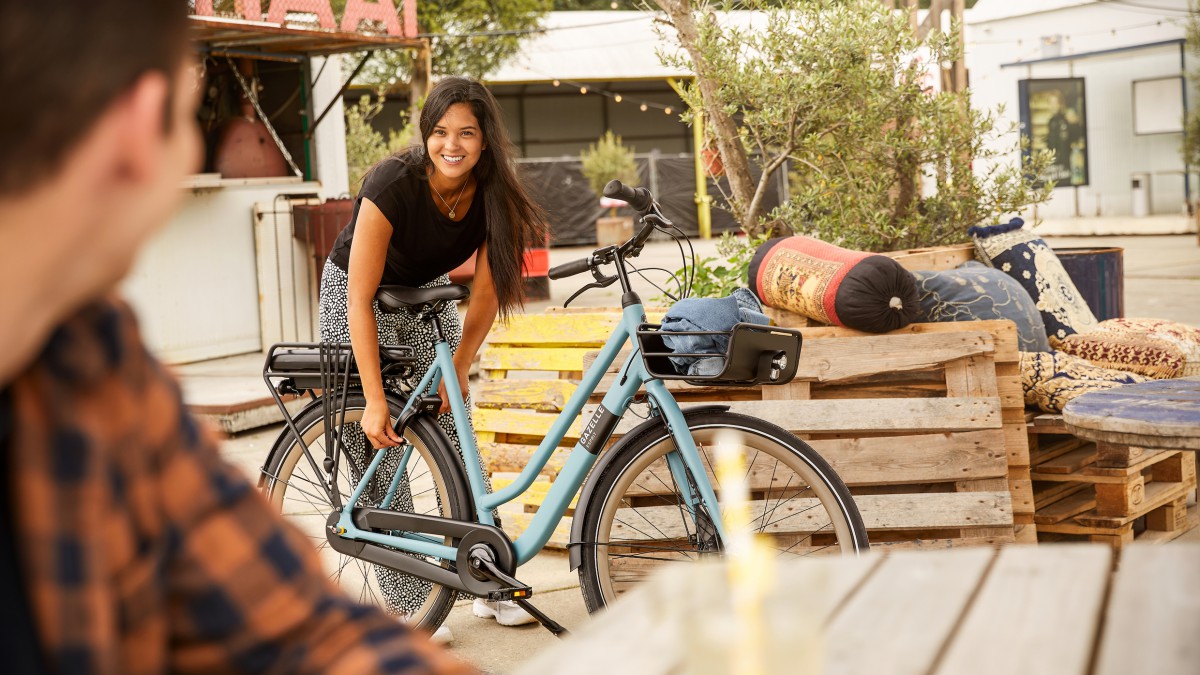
{"points": [[368, 253], [481, 312]]}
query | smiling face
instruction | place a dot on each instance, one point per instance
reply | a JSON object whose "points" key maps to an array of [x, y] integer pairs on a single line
{"points": [[456, 143]]}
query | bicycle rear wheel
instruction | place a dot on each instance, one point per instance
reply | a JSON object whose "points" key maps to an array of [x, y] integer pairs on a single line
{"points": [[434, 486], [636, 521]]}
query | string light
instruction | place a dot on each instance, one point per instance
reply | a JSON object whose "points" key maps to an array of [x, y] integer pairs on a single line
{"points": [[1158, 23], [617, 97]]}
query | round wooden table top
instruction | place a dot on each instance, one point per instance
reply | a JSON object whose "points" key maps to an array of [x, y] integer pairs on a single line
{"points": [[1160, 414]]}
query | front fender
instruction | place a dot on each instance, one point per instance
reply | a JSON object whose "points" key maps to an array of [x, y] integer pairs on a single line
{"points": [[575, 545]]}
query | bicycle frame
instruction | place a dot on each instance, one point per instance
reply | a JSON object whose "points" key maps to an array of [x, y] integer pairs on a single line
{"points": [[682, 461]]}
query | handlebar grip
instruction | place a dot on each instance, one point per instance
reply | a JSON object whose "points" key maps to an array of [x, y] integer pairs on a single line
{"points": [[569, 269], [639, 198]]}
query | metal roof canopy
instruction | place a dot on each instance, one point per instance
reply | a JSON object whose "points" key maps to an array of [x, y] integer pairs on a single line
{"points": [[262, 40]]}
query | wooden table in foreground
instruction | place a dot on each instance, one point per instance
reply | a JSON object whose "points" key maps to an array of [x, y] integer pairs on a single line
{"points": [[1055, 609]]}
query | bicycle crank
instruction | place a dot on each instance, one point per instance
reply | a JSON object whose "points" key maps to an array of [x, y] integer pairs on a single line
{"points": [[482, 565]]}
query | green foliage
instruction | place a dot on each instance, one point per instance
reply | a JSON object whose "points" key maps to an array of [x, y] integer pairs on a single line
{"points": [[364, 145], [607, 159], [838, 89], [718, 277]]}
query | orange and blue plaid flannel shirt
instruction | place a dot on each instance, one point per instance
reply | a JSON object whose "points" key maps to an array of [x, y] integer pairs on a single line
{"points": [[142, 552]]}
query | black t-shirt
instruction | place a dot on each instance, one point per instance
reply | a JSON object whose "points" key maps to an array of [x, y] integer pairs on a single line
{"points": [[425, 244], [18, 642]]}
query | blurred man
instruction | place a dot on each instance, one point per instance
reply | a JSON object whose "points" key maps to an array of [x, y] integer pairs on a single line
{"points": [[126, 545]]}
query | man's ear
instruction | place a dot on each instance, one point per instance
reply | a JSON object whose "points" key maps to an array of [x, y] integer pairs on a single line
{"points": [[142, 114]]}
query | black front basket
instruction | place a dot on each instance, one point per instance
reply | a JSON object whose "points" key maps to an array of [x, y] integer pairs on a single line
{"points": [[757, 354]]}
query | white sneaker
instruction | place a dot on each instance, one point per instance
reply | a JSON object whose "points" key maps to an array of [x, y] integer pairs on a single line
{"points": [[442, 636], [505, 612]]}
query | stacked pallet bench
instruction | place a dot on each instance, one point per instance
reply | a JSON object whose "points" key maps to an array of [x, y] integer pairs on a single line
{"points": [[915, 421], [1086, 491], [1008, 377], [912, 371]]}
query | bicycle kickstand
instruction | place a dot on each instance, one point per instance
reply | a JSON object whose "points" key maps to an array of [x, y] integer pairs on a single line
{"points": [[549, 624]]}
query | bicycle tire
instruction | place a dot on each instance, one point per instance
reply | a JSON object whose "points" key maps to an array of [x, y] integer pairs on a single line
{"points": [[629, 529], [289, 485]]}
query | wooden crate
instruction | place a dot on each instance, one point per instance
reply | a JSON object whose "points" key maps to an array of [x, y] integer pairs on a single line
{"points": [[918, 422], [913, 423], [1086, 491]]}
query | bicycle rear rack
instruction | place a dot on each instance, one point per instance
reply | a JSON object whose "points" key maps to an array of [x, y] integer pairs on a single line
{"points": [[293, 368]]}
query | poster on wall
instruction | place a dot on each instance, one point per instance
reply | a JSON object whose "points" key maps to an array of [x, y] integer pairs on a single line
{"points": [[1053, 118]]}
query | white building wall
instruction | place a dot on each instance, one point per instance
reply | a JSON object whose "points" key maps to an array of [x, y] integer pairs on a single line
{"points": [[195, 285], [1114, 153]]}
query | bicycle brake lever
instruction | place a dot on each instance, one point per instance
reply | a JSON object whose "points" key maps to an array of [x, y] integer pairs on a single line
{"points": [[600, 283]]}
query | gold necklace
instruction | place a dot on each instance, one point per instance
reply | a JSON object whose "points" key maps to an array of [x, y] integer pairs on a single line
{"points": [[460, 194]]}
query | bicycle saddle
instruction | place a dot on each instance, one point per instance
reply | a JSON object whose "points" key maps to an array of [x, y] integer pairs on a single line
{"points": [[396, 298]]}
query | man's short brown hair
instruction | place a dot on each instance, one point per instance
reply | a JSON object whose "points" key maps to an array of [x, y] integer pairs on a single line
{"points": [[63, 62]]}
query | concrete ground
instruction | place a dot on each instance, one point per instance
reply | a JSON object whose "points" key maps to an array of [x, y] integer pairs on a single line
{"points": [[1162, 279]]}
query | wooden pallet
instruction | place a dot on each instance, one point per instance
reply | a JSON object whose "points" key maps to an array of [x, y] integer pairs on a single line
{"points": [[922, 423], [529, 370], [1160, 525], [927, 468], [1145, 500]]}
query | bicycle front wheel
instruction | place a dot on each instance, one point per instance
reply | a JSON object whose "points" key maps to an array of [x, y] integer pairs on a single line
{"points": [[638, 519], [429, 485]]}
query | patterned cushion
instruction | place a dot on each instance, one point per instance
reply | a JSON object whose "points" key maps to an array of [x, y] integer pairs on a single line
{"points": [[865, 291], [976, 292], [1153, 347], [1026, 258], [1051, 379]]}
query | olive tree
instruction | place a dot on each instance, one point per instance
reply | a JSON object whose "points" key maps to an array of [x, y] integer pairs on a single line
{"points": [[839, 92]]}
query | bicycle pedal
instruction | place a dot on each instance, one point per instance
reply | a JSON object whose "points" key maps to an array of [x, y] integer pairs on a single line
{"points": [[504, 594]]}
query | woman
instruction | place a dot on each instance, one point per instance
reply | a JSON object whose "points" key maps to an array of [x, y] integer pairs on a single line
{"points": [[420, 214]]}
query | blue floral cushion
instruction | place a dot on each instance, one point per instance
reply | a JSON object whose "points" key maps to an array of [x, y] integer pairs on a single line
{"points": [[976, 292], [1025, 257]]}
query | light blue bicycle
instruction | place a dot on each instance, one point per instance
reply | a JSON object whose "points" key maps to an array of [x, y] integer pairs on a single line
{"points": [[648, 500]]}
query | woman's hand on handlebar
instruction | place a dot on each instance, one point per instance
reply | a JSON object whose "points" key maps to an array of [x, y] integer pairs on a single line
{"points": [[377, 425]]}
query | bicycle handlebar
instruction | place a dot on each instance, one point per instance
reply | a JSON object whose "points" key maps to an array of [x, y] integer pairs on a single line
{"points": [[570, 269], [638, 198]]}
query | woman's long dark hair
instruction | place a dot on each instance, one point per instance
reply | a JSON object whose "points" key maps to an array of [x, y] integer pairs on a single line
{"points": [[514, 221]]}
